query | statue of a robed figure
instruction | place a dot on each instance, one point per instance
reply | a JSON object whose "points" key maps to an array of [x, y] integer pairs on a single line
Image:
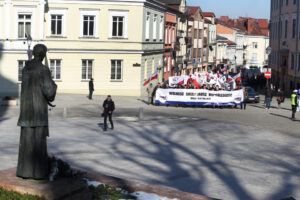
{"points": [[37, 91]]}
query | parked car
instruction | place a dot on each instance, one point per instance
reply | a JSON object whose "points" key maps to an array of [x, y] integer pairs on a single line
{"points": [[252, 95]]}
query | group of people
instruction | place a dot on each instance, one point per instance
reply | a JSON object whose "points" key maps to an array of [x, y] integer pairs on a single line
{"points": [[151, 90], [279, 94]]}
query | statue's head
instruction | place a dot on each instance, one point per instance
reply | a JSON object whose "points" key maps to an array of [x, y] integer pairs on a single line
{"points": [[39, 51]]}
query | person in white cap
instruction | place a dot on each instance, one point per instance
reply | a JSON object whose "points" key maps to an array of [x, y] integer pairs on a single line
{"points": [[294, 102]]}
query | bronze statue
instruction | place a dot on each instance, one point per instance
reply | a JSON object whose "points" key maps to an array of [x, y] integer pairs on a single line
{"points": [[38, 90]]}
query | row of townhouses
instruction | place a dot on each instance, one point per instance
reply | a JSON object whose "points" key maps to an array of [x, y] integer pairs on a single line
{"points": [[285, 44], [119, 43]]}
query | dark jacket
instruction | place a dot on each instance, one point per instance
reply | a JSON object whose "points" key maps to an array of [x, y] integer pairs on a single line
{"points": [[91, 86], [279, 96], [269, 93], [38, 89], [108, 106], [154, 91]]}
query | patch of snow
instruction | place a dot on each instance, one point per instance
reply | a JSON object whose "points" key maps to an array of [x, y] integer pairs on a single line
{"points": [[93, 183], [147, 196], [138, 195]]}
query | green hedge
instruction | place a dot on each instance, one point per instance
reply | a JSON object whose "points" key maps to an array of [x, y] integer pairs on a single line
{"points": [[10, 195]]}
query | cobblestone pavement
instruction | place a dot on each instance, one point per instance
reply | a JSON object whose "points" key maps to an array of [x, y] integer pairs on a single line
{"points": [[221, 153]]}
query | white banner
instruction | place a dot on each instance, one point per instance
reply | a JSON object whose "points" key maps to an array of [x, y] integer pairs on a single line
{"points": [[199, 97]]}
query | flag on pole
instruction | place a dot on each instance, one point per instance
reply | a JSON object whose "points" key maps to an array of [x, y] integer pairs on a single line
{"points": [[151, 78]]}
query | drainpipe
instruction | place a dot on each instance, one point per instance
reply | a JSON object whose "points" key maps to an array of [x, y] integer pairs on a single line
{"points": [[297, 40], [279, 41]]}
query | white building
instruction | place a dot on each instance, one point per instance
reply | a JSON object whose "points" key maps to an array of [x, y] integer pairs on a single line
{"points": [[255, 51], [221, 50], [236, 56], [212, 39]]}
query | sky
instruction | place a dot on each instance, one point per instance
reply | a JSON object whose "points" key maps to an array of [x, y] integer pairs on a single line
{"points": [[234, 8]]}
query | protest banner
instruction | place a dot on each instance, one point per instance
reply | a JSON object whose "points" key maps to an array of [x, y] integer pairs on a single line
{"points": [[199, 97]]}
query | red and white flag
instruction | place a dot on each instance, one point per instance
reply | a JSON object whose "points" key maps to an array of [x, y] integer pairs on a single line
{"points": [[230, 79], [180, 81], [151, 78], [237, 77]]}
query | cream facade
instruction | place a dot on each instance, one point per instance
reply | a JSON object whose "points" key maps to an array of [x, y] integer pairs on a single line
{"points": [[119, 44], [255, 51]]}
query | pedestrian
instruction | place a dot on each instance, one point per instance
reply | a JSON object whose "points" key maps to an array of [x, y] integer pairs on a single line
{"points": [[109, 107], [294, 102], [91, 88], [245, 98], [279, 98], [268, 97], [298, 109], [154, 91], [150, 91]]}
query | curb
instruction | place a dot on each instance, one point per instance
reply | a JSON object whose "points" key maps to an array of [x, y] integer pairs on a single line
{"points": [[136, 186]]}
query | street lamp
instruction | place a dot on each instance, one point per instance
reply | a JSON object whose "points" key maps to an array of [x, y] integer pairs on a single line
{"points": [[29, 41], [268, 52]]}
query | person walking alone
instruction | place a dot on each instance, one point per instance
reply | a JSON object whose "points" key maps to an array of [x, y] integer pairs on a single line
{"points": [[109, 107], [294, 102], [91, 88], [279, 98], [268, 97]]}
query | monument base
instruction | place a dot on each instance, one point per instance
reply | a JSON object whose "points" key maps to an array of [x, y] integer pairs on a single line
{"points": [[59, 189]]}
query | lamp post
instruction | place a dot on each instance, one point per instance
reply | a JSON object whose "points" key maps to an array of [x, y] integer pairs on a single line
{"points": [[268, 52], [29, 41]]}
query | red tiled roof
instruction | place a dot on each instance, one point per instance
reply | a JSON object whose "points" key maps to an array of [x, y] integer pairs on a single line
{"points": [[248, 25], [207, 20], [193, 9], [209, 14], [231, 42]]}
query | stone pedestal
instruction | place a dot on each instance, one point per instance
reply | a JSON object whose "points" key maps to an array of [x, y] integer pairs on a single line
{"points": [[60, 189]]}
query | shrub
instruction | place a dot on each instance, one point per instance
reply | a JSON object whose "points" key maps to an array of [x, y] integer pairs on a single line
{"points": [[11, 195], [108, 193]]}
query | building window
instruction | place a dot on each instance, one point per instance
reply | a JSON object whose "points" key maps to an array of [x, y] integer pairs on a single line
{"points": [[294, 28], [286, 28], [169, 63], [295, 1], [154, 27], [170, 36], [255, 46], [292, 61], [21, 65], [147, 26], [165, 64], [173, 38], [56, 24], [89, 23], [118, 26], [24, 25], [87, 69], [286, 2], [166, 35], [88, 26], [161, 28], [116, 70], [55, 68]]}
